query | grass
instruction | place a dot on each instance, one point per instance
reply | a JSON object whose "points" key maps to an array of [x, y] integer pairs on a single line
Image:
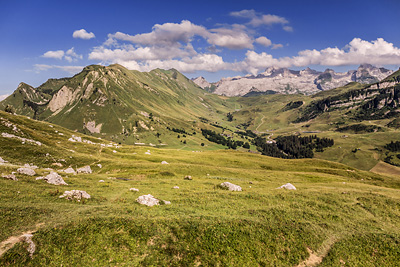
{"points": [[204, 225]]}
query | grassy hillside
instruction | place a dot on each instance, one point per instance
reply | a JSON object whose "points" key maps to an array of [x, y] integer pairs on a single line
{"points": [[335, 211]]}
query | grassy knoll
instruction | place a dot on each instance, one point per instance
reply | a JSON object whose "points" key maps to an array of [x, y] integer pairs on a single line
{"points": [[334, 204]]}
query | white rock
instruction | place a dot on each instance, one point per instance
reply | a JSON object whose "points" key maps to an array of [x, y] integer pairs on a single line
{"points": [[54, 178], [114, 151], [230, 186], [10, 177], [75, 194], [101, 181], [31, 166], [26, 171], [166, 202], [176, 187], [85, 169], [164, 162], [2, 160], [134, 189], [32, 247], [188, 177], [287, 186], [148, 200], [69, 171], [99, 165], [147, 153]]}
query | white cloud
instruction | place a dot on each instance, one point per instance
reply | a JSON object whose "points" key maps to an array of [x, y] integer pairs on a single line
{"points": [[230, 38], [83, 34], [358, 51], [263, 41], [2, 97], [70, 55], [277, 46], [258, 19], [54, 54], [70, 69]]}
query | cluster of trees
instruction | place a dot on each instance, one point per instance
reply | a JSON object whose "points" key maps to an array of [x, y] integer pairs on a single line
{"points": [[181, 131], [360, 128], [293, 147], [393, 146], [247, 133], [214, 137]]}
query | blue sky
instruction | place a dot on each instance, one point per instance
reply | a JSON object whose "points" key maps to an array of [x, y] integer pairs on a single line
{"points": [[215, 39]]}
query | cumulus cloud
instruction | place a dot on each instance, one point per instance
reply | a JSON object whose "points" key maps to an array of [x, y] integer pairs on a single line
{"points": [[69, 69], [2, 97], [258, 19], [59, 54], [83, 34], [69, 55], [263, 41], [358, 51]]}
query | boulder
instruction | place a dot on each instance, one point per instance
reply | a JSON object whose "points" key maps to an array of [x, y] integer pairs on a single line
{"points": [[164, 162], [148, 200], [69, 171], [287, 186], [176, 187], [10, 177], [53, 178], [188, 177], [229, 186], [85, 169], [134, 189], [166, 202], [75, 195], [31, 246], [26, 171]]}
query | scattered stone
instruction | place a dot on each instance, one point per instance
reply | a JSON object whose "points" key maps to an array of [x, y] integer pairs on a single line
{"points": [[99, 165], [250, 182], [58, 164], [101, 181], [53, 178], [10, 177], [7, 135], [26, 171], [164, 162], [147, 153], [287, 186], [32, 247], [134, 189], [114, 151], [176, 187], [31, 166], [2, 160], [188, 177], [166, 202], [229, 186], [148, 200], [69, 171], [75, 194], [85, 169]]}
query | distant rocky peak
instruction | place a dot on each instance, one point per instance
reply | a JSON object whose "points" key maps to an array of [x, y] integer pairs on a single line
{"points": [[308, 71], [201, 81]]}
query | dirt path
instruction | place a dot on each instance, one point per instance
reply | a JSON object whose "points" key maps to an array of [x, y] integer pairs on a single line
{"points": [[12, 240], [262, 122], [316, 257]]}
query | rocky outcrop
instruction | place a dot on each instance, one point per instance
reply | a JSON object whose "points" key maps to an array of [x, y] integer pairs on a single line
{"points": [[307, 81], [229, 186], [53, 178], [148, 200], [26, 171], [77, 195]]}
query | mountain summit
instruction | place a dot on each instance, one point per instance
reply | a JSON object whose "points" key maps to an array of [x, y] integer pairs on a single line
{"points": [[286, 81]]}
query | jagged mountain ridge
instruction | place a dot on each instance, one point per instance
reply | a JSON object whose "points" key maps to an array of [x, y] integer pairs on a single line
{"points": [[286, 81], [116, 101]]}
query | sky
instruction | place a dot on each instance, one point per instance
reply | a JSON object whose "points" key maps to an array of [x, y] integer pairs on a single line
{"points": [[214, 39]]}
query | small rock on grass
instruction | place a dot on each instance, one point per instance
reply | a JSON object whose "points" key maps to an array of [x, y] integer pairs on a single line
{"points": [[134, 189], [229, 186], [188, 177], [75, 195], [10, 177], [287, 186], [26, 171], [53, 178]]}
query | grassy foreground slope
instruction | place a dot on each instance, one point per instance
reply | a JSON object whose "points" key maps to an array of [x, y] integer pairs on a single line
{"points": [[335, 211]]}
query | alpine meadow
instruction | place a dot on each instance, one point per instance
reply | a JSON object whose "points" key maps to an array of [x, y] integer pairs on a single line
{"points": [[225, 134]]}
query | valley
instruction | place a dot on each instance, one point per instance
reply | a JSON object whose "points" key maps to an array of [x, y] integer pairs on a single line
{"points": [[146, 133]]}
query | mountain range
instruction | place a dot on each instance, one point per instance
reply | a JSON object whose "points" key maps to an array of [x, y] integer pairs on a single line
{"points": [[285, 81]]}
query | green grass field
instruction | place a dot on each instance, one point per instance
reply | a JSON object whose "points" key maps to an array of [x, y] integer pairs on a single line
{"points": [[344, 215]]}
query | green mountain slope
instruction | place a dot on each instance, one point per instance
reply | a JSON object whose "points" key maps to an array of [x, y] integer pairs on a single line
{"points": [[335, 211]]}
